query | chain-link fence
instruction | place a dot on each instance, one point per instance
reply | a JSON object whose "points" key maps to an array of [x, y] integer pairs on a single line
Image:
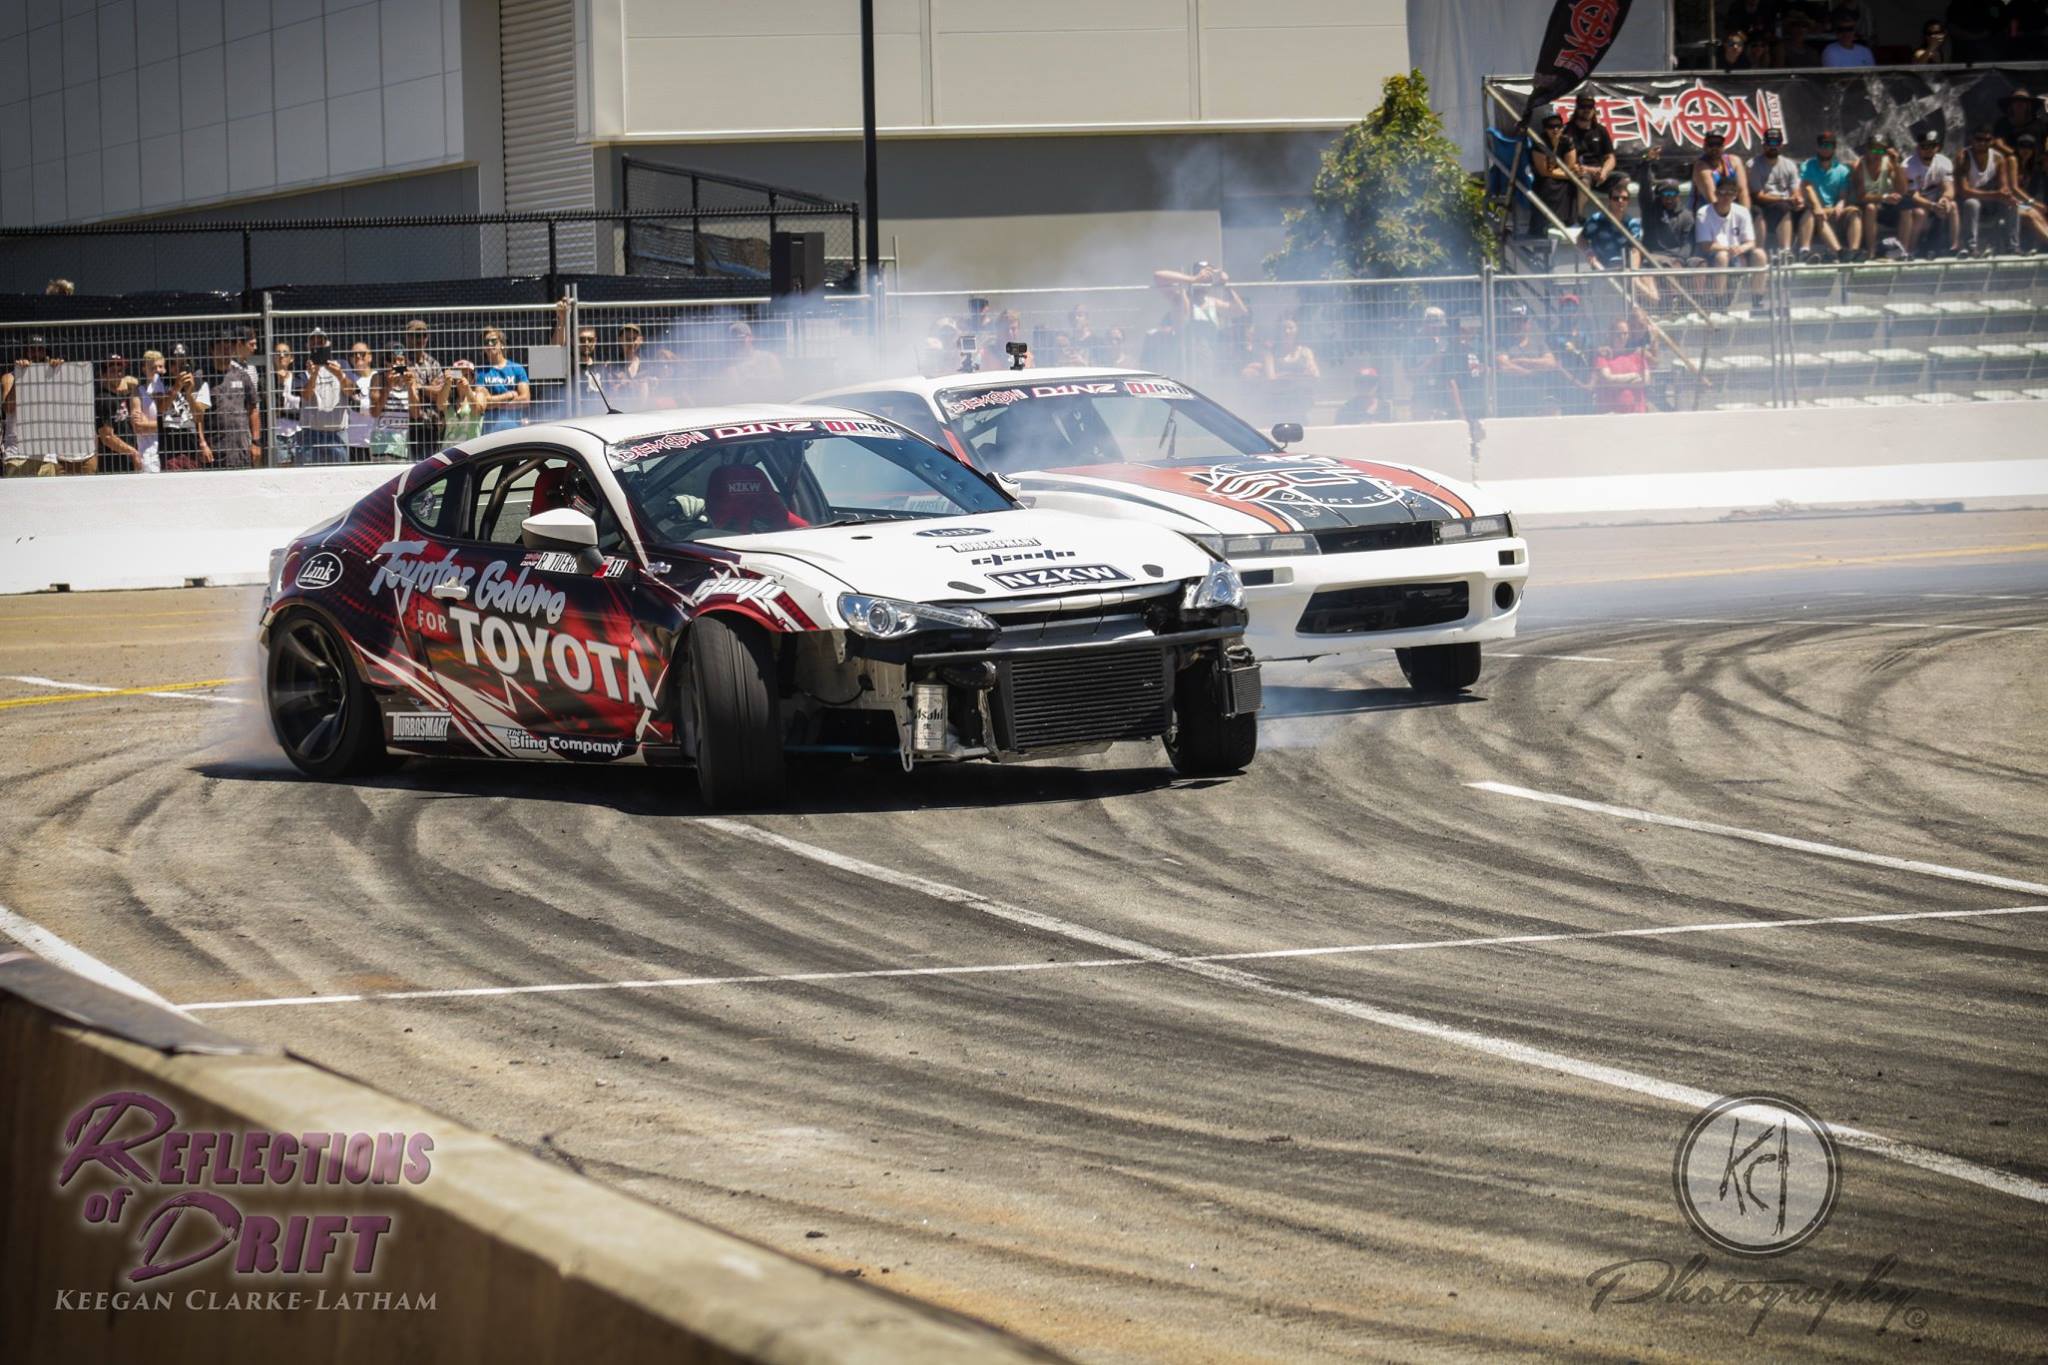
{"points": [[172, 391]]}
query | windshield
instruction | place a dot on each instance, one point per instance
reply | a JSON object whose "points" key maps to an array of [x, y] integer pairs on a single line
{"points": [[713, 482], [1013, 427]]}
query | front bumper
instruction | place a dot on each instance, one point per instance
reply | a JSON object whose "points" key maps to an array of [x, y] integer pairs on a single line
{"points": [[1280, 594]]}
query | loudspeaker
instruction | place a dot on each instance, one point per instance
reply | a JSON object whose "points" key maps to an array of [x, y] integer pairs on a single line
{"points": [[796, 263]]}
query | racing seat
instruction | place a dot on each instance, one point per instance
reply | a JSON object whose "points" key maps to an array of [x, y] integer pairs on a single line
{"points": [[740, 498], [559, 486]]}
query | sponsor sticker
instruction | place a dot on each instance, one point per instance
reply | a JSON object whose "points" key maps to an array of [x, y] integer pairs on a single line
{"points": [[1059, 576], [959, 404], [996, 561], [1155, 388], [420, 726], [323, 570], [947, 532], [553, 561]]}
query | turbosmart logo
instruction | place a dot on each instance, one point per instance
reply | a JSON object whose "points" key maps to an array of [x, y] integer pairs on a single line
{"points": [[321, 571], [186, 1197]]}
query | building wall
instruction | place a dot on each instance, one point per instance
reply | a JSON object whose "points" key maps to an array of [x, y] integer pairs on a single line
{"points": [[1045, 211], [670, 70], [117, 107]]}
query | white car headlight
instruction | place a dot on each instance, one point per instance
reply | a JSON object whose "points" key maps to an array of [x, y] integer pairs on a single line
{"points": [[277, 558], [1475, 528], [1266, 547], [1208, 541], [1221, 587], [885, 618]]}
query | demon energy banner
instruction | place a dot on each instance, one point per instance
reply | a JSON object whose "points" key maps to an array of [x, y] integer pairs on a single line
{"points": [[1577, 37], [1669, 115]]}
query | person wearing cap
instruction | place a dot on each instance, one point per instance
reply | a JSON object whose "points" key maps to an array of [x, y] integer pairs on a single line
{"points": [[1878, 189], [1669, 229], [428, 376], [234, 399], [1830, 212], [1548, 155], [1442, 365], [1366, 403], [1588, 146], [1930, 200], [1777, 198], [1526, 367], [1847, 50], [1727, 236], [327, 395], [2022, 115], [1712, 169], [113, 419], [1984, 189]]}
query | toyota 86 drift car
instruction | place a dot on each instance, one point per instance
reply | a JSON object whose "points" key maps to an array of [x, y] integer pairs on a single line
{"points": [[727, 588], [1338, 556]]}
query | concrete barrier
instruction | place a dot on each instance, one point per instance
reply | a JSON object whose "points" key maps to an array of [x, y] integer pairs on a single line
{"points": [[491, 1256], [169, 530]]}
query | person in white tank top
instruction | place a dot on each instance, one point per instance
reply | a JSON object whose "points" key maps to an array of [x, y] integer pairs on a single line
{"points": [[1984, 190]]}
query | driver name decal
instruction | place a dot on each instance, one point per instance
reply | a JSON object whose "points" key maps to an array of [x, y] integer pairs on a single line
{"points": [[1059, 576]]}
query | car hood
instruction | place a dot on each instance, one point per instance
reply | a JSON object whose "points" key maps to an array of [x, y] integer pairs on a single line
{"points": [[1264, 493], [1022, 553]]}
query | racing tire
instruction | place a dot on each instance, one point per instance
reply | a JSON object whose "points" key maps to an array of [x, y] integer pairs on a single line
{"points": [[737, 716], [1205, 742], [322, 713], [1439, 670]]}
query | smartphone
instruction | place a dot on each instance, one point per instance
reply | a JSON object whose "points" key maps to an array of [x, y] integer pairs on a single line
{"points": [[320, 355]]}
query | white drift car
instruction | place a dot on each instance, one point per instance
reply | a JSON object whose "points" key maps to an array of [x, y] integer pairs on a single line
{"points": [[1337, 555]]}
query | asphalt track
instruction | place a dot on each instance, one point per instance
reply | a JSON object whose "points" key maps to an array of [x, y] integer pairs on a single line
{"points": [[1031, 1042]]}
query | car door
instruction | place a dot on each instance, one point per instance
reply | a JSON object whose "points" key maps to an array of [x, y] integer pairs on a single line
{"points": [[542, 653]]}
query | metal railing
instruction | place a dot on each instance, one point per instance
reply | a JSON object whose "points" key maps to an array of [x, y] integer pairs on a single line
{"points": [[1491, 345]]}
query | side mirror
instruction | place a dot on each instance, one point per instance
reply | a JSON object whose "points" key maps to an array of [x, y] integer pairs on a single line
{"points": [[1010, 486], [1286, 433]]}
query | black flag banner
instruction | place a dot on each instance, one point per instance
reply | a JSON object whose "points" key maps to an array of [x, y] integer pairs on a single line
{"points": [[1577, 37]]}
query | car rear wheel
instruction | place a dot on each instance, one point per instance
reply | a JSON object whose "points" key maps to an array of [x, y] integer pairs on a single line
{"points": [[1205, 742], [737, 715], [1439, 670], [320, 711]]}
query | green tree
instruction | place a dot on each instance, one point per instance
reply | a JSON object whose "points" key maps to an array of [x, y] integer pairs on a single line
{"points": [[1390, 199]]}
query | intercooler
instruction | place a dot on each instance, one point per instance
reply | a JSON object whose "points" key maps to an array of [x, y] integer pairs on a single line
{"points": [[1084, 698]]}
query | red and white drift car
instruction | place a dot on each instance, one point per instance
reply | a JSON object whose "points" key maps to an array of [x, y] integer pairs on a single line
{"points": [[1337, 555], [728, 587]]}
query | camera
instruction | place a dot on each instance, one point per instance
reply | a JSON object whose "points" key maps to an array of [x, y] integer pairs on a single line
{"points": [[320, 355], [1016, 350]]}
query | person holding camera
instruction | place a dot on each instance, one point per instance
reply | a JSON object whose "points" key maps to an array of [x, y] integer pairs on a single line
{"points": [[428, 378], [326, 394], [460, 404], [174, 406], [394, 395], [1203, 301]]}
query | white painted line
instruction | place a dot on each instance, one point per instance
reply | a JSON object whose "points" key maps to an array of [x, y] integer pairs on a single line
{"points": [[1982, 596], [1819, 621], [1755, 836], [1100, 963], [2004, 1182], [1567, 658], [51, 948], [97, 687]]}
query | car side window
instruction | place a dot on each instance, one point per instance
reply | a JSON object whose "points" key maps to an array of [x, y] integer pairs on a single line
{"points": [[503, 493], [905, 409], [427, 507]]}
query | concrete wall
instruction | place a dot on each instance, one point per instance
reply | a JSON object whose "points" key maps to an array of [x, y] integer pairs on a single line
{"points": [[524, 1260], [137, 531], [113, 107], [959, 64]]}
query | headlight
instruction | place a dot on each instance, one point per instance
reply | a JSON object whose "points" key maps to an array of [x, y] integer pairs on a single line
{"points": [[1220, 588], [885, 618], [1212, 543], [277, 559], [1264, 547], [1475, 528]]}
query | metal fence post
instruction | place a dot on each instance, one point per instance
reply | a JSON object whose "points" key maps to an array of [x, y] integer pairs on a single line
{"points": [[572, 324], [1489, 336], [551, 255], [267, 367], [248, 265]]}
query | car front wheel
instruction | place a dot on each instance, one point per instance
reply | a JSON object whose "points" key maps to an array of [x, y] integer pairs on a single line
{"points": [[320, 711], [1439, 670], [737, 715], [1205, 742]]}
